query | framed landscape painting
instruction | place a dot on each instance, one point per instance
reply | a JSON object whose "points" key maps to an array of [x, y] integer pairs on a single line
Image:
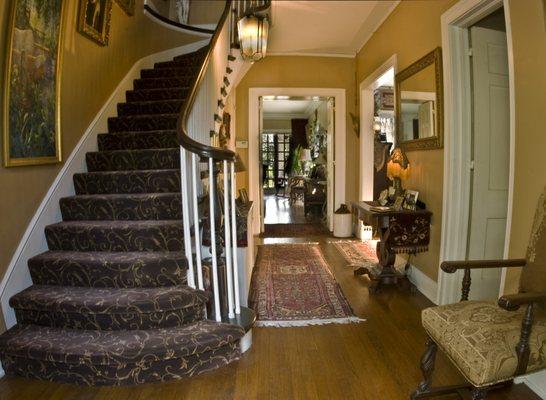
{"points": [[31, 116]]}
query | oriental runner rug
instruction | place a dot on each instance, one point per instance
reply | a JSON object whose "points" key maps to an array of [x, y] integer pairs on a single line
{"points": [[292, 286], [357, 253]]}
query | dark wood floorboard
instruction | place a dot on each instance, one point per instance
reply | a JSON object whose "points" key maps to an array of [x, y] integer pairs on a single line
{"points": [[374, 360]]}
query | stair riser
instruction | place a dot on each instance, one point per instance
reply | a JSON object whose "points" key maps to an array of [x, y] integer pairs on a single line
{"points": [[157, 238], [120, 374], [133, 141], [156, 94], [73, 273], [156, 107], [157, 83], [136, 123], [125, 209], [110, 322], [169, 72], [133, 160], [136, 182]]}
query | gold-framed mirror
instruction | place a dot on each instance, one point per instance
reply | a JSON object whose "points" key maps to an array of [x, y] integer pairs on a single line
{"points": [[420, 105]]}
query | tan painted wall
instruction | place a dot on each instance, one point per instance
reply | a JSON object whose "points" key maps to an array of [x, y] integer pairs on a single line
{"points": [[529, 41], [411, 31], [205, 11], [89, 75], [290, 71]]}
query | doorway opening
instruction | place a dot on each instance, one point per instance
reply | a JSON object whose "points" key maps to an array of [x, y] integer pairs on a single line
{"points": [[296, 159], [377, 133], [478, 168]]}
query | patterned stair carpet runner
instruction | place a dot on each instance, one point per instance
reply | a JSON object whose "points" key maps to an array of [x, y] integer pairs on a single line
{"points": [[293, 230], [109, 304], [357, 253], [292, 286]]}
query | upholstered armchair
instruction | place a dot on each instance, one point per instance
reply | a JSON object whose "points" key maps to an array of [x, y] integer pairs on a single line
{"points": [[491, 343]]}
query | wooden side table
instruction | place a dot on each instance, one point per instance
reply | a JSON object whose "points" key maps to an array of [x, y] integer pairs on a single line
{"points": [[404, 231]]}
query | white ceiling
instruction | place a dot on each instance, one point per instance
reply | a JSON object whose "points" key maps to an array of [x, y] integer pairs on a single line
{"points": [[324, 27], [281, 108]]}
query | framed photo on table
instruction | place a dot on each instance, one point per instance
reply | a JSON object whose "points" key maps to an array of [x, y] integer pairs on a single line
{"points": [[410, 200], [398, 203]]}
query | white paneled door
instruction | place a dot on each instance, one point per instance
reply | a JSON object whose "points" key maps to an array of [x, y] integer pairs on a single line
{"points": [[491, 152]]}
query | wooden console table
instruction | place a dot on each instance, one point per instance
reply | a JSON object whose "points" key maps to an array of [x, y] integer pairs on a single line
{"points": [[403, 231]]}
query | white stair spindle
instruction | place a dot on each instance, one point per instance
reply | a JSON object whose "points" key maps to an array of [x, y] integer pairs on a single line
{"points": [[196, 223], [186, 216], [234, 236], [214, 274], [229, 266]]}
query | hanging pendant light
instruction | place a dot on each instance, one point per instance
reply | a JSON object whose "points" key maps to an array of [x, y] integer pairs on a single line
{"points": [[253, 32]]}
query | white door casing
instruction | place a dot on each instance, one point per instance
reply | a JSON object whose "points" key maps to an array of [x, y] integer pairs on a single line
{"points": [[330, 159], [490, 158]]}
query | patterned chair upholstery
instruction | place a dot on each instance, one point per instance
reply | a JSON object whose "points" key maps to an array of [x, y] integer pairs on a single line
{"points": [[491, 343], [481, 338]]}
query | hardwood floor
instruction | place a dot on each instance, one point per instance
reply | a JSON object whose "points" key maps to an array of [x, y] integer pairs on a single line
{"points": [[278, 210], [376, 360]]}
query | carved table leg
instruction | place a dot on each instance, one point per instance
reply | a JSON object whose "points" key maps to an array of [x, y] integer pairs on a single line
{"points": [[427, 367], [478, 394]]}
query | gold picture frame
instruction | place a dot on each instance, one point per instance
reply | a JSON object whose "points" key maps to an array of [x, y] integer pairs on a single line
{"points": [[32, 113], [434, 59], [128, 6], [94, 22]]}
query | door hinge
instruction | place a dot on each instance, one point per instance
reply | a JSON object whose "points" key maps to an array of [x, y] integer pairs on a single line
{"points": [[472, 165], [470, 52]]}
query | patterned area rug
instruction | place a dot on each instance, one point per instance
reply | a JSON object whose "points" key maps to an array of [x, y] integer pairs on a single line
{"points": [[293, 286], [293, 230], [357, 253]]}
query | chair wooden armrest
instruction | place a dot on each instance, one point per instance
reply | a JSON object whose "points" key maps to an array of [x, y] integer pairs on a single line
{"points": [[452, 266], [512, 302]]}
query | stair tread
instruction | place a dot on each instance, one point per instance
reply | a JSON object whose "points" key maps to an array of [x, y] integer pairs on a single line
{"points": [[165, 149], [129, 172], [75, 346], [116, 224], [78, 299], [121, 196], [108, 257], [109, 269], [181, 88], [151, 132], [144, 116]]}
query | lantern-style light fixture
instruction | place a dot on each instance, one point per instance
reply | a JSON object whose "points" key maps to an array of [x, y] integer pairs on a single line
{"points": [[253, 33]]}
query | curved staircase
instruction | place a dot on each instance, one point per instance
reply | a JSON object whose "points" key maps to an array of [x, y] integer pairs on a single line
{"points": [[110, 303]]}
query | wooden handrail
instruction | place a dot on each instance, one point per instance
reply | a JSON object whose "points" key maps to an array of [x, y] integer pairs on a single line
{"points": [[202, 150], [166, 20]]}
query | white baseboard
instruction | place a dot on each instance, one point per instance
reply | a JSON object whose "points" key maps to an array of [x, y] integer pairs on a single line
{"points": [[33, 242], [423, 283], [536, 382]]}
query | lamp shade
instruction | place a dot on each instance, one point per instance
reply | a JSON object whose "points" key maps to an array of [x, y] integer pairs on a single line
{"points": [[253, 33], [306, 155], [398, 165]]}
